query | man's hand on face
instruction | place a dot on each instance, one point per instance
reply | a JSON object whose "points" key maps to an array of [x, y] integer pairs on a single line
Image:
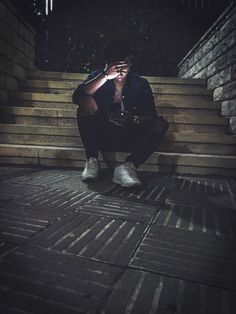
{"points": [[113, 69]]}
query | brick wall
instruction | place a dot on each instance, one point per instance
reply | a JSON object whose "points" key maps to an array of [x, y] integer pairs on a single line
{"points": [[17, 49], [214, 58]]}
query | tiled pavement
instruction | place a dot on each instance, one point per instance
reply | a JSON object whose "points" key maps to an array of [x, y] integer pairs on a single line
{"points": [[68, 247]]}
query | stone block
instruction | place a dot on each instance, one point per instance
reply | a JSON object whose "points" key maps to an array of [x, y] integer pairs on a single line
{"points": [[5, 65], [3, 11], [233, 71], [26, 34], [3, 46], [3, 97], [27, 49], [12, 21], [18, 72], [232, 125], [5, 32], [12, 84], [228, 108], [225, 92], [220, 78], [3, 81]]}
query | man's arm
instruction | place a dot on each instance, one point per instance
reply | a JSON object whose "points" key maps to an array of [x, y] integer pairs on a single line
{"points": [[97, 79]]}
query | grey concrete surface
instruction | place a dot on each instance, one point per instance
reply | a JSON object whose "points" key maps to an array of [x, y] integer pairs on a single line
{"points": [[71, 247]]}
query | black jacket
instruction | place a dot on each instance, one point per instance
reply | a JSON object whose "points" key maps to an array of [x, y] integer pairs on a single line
{"points": [[137, 95]]}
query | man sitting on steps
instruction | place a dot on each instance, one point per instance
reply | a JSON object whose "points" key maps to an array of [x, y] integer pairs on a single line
{"points": [[116, 113]]}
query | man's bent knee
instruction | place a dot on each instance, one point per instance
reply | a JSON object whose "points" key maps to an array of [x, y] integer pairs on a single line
{"points": [[87, 105]]}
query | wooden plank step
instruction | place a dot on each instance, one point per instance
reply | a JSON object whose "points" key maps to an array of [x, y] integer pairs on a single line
{"points": [[67, 98], [170, 144], [57, 75], [188, 111], [186, 103], [71, 114], [194, 104], [41, 97], [188, 137], [68, 88], [164, 162], [82, 76], [178, 122]]}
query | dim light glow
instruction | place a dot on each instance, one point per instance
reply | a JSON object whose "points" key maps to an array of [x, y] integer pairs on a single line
{"points": [[48, 6]]}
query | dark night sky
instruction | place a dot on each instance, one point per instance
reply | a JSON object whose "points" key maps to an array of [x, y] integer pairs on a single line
{"points": [[162, 31]]}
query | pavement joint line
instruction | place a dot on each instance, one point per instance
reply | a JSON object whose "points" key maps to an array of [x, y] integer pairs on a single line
{"points": [[207, 284]]}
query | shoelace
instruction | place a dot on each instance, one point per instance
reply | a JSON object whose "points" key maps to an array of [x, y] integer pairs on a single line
{"points": [[130, 170], [92, 163]]}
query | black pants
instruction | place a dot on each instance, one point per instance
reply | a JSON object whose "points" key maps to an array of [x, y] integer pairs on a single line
{"points": [[98, 134]]}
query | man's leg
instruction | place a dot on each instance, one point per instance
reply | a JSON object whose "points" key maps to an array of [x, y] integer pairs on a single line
{"points": [[142, 142], [146, 141], [87, 119]]}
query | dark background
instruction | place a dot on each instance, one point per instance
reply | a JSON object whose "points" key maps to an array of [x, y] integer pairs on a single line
{"points": [[72, 36]]}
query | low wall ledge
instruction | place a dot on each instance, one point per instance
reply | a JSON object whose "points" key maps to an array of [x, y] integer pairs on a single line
{"points": [[215, 26]]}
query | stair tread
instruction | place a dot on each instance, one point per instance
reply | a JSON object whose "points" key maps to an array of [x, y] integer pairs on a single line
{"points": [[76, 76], [229, 157], [159, 88]]}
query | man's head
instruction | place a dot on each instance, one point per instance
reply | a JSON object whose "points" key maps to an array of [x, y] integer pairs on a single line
{"points": [[118, 50]]}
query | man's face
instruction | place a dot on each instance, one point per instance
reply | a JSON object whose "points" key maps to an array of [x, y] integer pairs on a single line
{"points": [[124, 71]]}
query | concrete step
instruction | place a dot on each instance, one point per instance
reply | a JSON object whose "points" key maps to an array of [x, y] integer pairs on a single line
{"points": [[200, 164], [73, 132], [27, 96], [82, 76], [66, 98], [182, 104], [67, 111], [186, 103], [174, 142], [13, 113], [60, 87]]}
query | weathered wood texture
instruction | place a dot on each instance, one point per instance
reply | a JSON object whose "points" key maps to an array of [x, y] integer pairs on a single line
{"points": [[17, 49], [214, 58]]}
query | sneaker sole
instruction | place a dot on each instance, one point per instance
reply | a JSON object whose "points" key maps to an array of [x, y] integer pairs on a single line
{"points": [[125, 185], [89, 179]]}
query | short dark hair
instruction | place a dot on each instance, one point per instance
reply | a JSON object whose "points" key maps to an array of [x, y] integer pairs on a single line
{"points": [[117, 49]]}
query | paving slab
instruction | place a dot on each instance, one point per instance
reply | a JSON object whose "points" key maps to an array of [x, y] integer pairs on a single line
{"points": [[188, 255], [115, 207], [207, 220], [100, 238], [67, 246], [143, 292], [34, 280]]}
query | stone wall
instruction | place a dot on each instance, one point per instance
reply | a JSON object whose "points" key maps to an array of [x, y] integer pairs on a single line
{"points": [[17, 49], [214, 58]]}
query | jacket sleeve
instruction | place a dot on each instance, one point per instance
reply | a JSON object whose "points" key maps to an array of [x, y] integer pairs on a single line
{"points": [[147, 100], [78, 92]]}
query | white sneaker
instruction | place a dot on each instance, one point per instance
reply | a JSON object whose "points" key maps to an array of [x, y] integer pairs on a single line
{"points": [[91, 169], [125, 175]]}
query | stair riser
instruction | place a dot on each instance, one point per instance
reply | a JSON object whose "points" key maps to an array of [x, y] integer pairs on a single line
{"points": [[155, 90], [166, 146], [67, 98], [72, 132], [173, 127], [81, 76], [79, 163], [204, 105]]}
